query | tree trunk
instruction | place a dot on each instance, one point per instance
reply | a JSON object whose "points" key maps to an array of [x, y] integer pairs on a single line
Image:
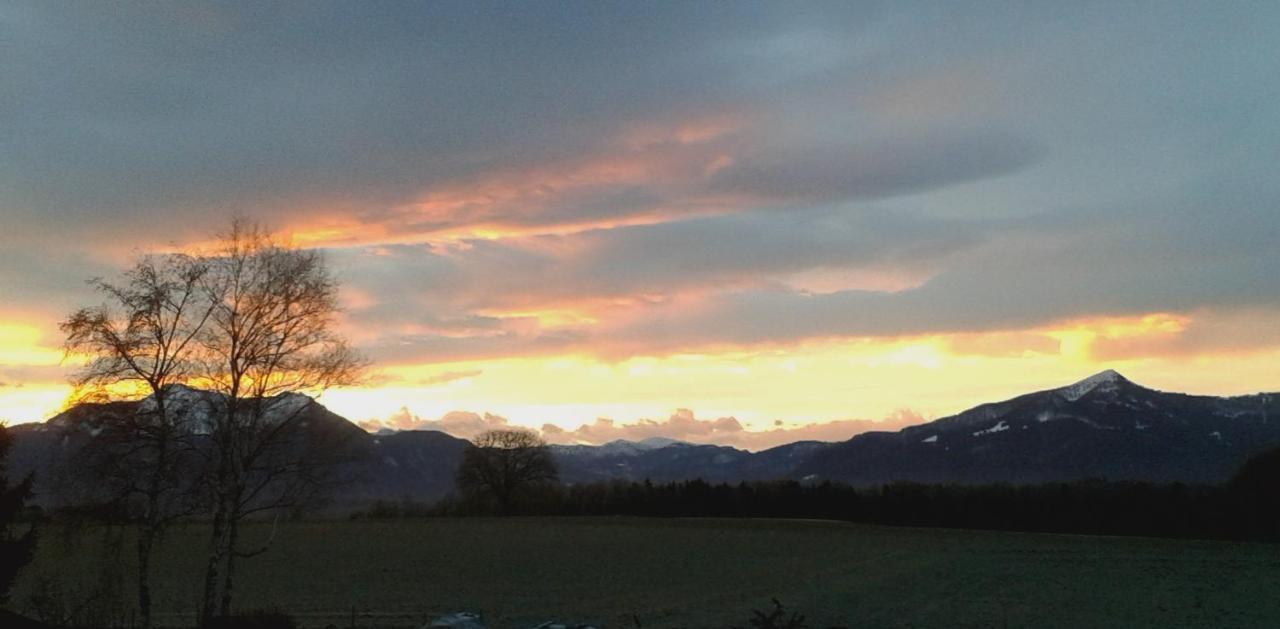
{"points": [[233, 535], [217, 547], [222, 511], [153, 519], [146, 537]]}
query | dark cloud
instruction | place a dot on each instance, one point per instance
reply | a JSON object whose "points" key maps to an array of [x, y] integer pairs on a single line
{"points": [[663, 259], [46, 281], [728, 280], [124, 111], [880, 167], [432, 295]]}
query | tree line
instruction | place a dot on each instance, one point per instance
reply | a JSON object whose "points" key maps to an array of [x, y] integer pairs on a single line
{"points": [[1247, 508]]}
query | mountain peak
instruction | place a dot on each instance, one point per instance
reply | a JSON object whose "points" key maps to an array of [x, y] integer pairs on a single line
{"points": [[1107, 379], [1107, 375]]}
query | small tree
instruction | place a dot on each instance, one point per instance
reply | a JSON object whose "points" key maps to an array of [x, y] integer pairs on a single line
{"points": [[142, 341], [15, 550], [500, 463]]}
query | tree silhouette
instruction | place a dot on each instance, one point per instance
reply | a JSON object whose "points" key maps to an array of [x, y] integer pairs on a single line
{"points": [[143, 340], [270, 334], [500, 463], [15, 550]]}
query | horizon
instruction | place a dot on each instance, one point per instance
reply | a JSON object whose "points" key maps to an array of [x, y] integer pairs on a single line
{"points": [[715, 219], [682, 427]]}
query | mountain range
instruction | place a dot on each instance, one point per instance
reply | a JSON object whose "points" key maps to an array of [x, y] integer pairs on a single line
{"points": [[1104, 426]]}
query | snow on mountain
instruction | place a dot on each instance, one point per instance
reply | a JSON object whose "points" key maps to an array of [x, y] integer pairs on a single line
{"points": [[999, 427], [188, 407], [195, 409], [658, 442], [1108, 380], [618, 447]]}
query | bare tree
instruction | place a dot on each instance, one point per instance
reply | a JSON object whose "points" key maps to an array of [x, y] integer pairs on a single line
{"points": [[501, 463], [142, 342], [270, 335]]}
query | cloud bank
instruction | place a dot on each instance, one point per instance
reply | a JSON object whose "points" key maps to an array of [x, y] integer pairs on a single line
{"points": [[681, 426]]}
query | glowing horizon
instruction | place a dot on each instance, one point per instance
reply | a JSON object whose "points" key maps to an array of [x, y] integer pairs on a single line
{"points": [[828, 390]]}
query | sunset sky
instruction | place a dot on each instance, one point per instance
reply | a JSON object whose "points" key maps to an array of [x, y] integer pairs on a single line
{"points": [[730, 222]]}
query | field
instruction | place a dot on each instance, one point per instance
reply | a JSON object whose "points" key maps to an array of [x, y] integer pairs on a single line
{"points": [[668, 573]]}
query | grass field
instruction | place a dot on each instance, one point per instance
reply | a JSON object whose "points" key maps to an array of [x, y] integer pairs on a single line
{"points": [[687, 573]]}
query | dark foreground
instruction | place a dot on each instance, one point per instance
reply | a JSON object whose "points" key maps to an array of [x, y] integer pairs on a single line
{"points": [[667, 573]]}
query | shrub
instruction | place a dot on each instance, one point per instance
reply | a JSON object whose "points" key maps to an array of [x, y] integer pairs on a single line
{"points": [[776, 619]]}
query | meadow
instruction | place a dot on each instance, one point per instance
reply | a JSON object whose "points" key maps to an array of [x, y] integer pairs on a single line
{"points": [[627, 572]]}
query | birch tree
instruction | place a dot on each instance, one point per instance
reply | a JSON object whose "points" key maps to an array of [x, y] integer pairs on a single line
{"points": [[142, 340], [270, 335]]}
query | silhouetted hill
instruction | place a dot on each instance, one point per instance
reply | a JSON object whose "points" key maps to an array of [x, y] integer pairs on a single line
{"points": [[1102, 427], [634, 461], [416, 465]]}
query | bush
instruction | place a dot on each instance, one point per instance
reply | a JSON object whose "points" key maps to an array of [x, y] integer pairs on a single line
{"points": [[776, 619]]}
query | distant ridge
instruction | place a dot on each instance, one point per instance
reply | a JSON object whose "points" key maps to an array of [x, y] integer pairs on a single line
{"points": [[1104, 426]]}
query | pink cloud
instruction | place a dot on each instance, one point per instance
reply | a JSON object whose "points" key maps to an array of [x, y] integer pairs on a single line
{"points": [[682, 425], [461, 424]]}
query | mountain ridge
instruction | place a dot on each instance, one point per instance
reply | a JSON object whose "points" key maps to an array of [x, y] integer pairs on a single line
{"points": [[1103, 426]]}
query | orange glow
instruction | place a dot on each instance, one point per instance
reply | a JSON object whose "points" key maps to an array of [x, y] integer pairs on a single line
{"points": [[20, 344], [31, 402], [344, 232], [1079, 338], [794, 383], [821, 380]]}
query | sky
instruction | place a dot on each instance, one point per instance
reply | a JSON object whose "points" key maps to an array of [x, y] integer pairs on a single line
{"points": [[742, 223]]}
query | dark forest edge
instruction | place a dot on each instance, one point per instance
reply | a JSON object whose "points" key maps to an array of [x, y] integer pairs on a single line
{"points": [[1247, 508]]}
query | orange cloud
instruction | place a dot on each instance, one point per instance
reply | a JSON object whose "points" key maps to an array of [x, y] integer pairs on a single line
{"points": [[1197, 334], [1085, 337], [560, 196]]}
